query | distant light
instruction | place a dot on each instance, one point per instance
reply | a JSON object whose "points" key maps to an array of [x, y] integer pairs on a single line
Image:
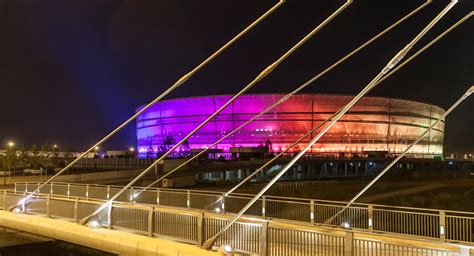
{"points": [[256, 130], [132, 149], [331, 164], [370, 222], [11, 143], [93, 224], [17, 210], [450, 162], [217, 209], [441, 230], [55, 146], [96, 148], [136, 195]]}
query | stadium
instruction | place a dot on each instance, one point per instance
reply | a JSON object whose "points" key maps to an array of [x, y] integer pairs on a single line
{"points": [[374, 124]]}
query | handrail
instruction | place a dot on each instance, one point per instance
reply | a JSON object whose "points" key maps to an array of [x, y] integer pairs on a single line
{"points": [[269, 198], [348, 236]]}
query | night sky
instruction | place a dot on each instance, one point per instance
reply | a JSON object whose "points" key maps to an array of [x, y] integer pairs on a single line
{"points": [[71, 71]]}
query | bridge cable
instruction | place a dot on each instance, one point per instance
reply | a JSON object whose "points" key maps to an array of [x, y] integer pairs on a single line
{"points": [[407, 149], [284, 98], [258, 78], [392, 63], [178, 83]]}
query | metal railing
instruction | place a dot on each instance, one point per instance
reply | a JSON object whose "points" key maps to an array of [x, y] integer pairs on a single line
{"points": [[440, 224], [250, 235]]}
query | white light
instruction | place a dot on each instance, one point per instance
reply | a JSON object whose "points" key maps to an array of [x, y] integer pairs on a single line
{"points": [[346, 225], [217, 209], [93, 224], [17, 210], [263, 210], [227, 248], [370, 222], [312, 215], [441, 230], [136, 195]]}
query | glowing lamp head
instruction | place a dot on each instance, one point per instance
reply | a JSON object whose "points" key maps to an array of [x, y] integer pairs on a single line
{"points": [[93, 224], [11, 143], [226, 249], [217, 209], [346, 225]]}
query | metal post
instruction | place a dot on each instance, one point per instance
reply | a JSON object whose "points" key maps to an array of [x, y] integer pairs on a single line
{"points": [[109, 215], [48, 208], [223, 202], [87, 191], [311, 213], [200, 229], [264, 202], [158, 196], [76, 202], [348, 244], [68, 189], [108, 192], [150, 221], [442, 225], [188, 198], [370, 213], [264, 238], [4, 197]]}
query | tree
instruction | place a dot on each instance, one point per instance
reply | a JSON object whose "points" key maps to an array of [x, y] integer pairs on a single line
{"points": [[168, 143], [10, 162]]}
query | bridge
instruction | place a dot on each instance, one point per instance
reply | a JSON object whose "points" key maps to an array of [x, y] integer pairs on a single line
{"points": [[183, 219]]}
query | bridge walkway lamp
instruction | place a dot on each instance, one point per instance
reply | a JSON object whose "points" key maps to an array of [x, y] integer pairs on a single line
{"points": [[407, 149], [286, 97], [264, 73], [392, 63], [178, 83], [315, 129]]}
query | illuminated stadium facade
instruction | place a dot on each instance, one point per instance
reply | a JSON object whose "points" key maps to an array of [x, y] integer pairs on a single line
{"points": [[374, 124]]}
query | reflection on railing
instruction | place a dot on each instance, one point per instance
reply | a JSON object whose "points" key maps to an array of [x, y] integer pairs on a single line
{"points": [[250, 235], [440, 224]]}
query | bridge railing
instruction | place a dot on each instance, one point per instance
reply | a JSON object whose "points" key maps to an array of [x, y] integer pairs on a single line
{"points": [[251, 235], [441, 224]]}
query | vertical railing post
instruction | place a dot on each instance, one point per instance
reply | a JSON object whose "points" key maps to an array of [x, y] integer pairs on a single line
{"points": [[442, 225], [150, 221], [51, 188], [15, 185], [76, 217], [48, 207], [4, 198], [188, 199], [200, 229], [109, 215], [223, 202], [108, 192], [87, 191], [349, 244], [264, 239], [158, 196], [68, 189], [370, 213], [264, 203], [311, 211]]}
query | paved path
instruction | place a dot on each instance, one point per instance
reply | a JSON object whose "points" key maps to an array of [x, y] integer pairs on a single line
{"points": [[372, 198]]}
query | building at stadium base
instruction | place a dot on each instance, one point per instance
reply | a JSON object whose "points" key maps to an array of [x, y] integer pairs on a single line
{"points": [[374, 124]]}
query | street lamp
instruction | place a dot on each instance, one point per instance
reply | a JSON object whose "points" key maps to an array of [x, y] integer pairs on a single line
{"points": [[11, 144]]}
